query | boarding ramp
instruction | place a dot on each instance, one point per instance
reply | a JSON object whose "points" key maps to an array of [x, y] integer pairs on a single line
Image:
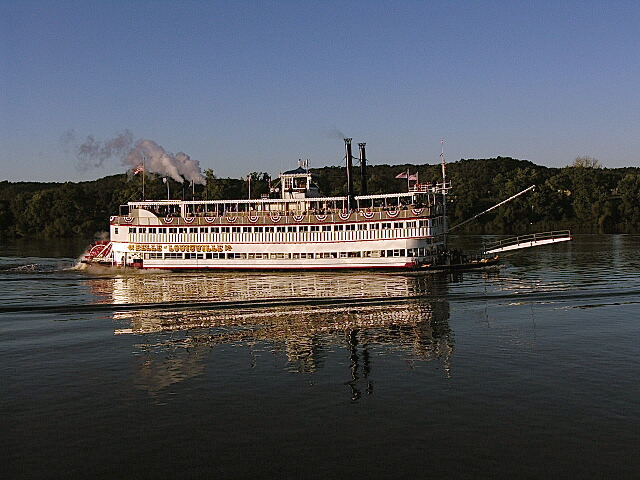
{"points": [[528, 241]]}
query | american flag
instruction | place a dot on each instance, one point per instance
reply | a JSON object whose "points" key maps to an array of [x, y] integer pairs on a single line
{"points": [[137, 169], [412, 178]]}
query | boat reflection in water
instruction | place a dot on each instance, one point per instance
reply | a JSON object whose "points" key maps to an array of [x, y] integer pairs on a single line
{"points": [[305, 315]]}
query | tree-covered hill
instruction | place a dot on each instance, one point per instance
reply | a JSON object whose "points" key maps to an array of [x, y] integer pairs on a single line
{"points": [[583, 197]]}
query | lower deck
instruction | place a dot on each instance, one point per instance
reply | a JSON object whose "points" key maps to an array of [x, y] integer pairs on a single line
{"points": [[398, 253]]}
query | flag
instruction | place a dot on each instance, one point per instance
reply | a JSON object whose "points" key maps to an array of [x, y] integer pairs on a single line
{"points": [[412, 178], [137, 169], [402, 175]]}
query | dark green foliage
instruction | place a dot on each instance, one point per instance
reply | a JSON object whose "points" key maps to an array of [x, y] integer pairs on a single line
{"points": [[582, 197]]}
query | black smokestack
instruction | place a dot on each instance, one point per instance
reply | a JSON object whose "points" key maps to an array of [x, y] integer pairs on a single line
{"points": [[363, 168], [347, 143]]}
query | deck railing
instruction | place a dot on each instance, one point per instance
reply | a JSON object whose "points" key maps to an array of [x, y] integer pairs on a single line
{"points": [[277, 218]]}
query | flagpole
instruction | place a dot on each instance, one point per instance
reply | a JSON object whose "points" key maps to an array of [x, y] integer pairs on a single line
{"points": [[143, 175]]}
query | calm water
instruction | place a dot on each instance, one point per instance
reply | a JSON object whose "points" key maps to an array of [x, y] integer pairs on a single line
{"points": [[528, 371]]}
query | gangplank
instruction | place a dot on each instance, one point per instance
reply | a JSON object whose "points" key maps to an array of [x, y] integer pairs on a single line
{"points": [[527, 241]]}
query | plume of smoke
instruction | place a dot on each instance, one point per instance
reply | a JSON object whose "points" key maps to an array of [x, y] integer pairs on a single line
{"points": [[93, 153], [157, 160]]}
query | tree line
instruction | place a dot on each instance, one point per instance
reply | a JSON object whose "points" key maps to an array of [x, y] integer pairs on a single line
{"points": [[583, 197]]}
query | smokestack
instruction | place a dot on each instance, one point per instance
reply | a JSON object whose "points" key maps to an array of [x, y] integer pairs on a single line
{"points": [[347, 144], [363, 168]]}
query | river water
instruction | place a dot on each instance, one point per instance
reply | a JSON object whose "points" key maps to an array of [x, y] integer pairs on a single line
{"points": [[530, 370]]}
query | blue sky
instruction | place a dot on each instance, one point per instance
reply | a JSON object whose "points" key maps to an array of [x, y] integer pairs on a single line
{"points": [[253, 86]]}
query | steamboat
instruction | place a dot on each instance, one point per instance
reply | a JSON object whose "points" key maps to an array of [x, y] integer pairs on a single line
{"points": [[301, 229]]}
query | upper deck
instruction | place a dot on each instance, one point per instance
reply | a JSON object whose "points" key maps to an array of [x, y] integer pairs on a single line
{"points": [[422, 200]]}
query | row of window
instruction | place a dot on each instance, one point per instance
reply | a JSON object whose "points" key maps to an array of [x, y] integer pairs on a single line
{"points": [[287, 228], [411, 252]]}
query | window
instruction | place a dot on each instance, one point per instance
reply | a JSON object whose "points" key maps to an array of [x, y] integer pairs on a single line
{"points": [[173, 230], [182, 230], [258, 229], [326, 228], [338, 228], [279, 229], [204, 230], [142, 230], [162, 230], [215, 229], [115, 230], [291, 229], [224, 229], [386, 225], [172, 256], [351, 226], [235, 229], [375, 226], [132, 230], [268, 229], [411, 224], [398, 225], [315, 228], [362, 226], [152, 230], [304, 228], [246, 229]]}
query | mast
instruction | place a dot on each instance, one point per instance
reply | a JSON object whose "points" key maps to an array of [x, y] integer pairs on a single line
{"points": [[444, 195]]}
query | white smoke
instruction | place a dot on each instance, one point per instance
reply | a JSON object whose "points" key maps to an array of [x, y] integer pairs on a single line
{"points": [[93, 153], [156, 159]]}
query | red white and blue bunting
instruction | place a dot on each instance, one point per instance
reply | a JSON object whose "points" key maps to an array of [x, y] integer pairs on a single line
{"points": [[298, 218], [168, 220], [232, 219], [275, 217], [128, 219], [367, 215], [189, 220], [344, 215], [209, 219], [417, 211], [321, 218], [253, 219], [393, 213], [113, 219]]}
